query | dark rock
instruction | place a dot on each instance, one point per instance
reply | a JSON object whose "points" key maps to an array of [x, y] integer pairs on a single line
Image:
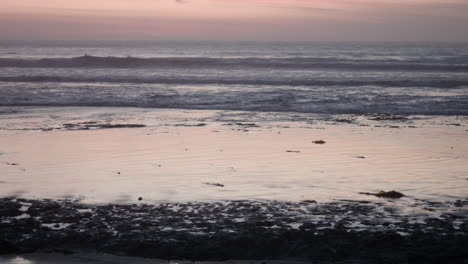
{"points": [[214, 184], [309, 201], [247, 124], [96, 125], [390, 194], [380, 117], [255, 230], [9, 208], [343, 121], [115, 126], [7, 247], [382, 194], [320, 142], [190, 125]]}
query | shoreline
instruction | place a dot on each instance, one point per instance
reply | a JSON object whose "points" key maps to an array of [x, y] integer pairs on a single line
{"points": [[112, 155], [271, 230]]}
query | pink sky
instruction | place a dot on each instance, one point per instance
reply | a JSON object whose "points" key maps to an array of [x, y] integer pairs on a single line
{"points": [[244, 20]]}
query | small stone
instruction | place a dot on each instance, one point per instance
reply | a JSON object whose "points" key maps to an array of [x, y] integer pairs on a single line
{"points": [[214, 184], [140, 198], [382, 194], [319, 142], [390, 194]]}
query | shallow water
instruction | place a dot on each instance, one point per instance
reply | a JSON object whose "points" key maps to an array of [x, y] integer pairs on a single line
{"points": [[179, 152]]}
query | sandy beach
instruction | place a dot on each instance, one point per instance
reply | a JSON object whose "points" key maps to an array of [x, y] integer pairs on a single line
{"points": [[92, 155], [220, 179]]}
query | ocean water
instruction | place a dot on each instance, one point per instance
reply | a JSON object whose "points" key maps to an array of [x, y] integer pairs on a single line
{"points": [[335, 78]]}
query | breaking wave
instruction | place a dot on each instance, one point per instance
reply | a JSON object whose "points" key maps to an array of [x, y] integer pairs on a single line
{"points": [[253, 62], [190, 80]]}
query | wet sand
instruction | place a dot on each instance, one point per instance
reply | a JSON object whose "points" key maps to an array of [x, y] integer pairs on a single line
{"points": [[88, 258], [220, 185], [66, 153]]}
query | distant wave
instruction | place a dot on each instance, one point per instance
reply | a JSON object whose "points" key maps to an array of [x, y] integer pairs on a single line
{"points": [[238, 81], [253, 62]]}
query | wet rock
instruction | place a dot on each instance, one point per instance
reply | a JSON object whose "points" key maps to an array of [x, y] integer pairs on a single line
{"points": [[102, 126], [382, 194], [9, 208], [96, 125], [214, 184], [304, 230], [7, 247], [390, 194], [191, 125], [343, 121], [247, 124], [380, 117], [320, 142]]}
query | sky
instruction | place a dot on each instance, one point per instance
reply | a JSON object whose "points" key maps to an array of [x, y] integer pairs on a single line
{"points": [[235, 20]]}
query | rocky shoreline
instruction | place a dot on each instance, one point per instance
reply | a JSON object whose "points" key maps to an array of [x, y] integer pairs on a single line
{"points": [[335, 231]]}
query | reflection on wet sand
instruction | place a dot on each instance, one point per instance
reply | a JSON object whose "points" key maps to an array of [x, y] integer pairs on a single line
{"points": [[167, 158]]}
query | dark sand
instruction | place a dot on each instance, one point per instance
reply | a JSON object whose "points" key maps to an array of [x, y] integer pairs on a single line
{"points": [[99, 258]]}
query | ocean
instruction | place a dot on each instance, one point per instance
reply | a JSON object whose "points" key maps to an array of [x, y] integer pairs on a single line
{"points": [[332, 78]]}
